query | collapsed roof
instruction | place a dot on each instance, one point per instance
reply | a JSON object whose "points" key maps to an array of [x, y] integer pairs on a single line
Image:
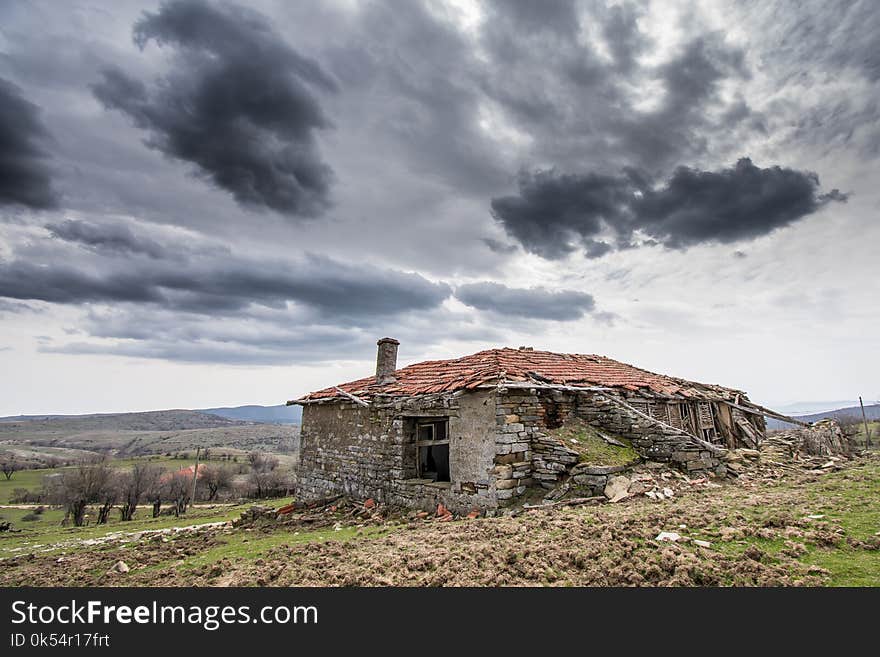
{"points": [[512, 366]]}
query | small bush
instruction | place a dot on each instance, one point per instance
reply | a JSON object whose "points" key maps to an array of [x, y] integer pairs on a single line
{"points": [[24, 496]]}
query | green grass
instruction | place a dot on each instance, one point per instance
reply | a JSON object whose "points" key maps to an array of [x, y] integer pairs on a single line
{"points": [[850, 500], [32, 480], [29, 479], [242, 545], [874, 427], [586, 441], [47, 535]]}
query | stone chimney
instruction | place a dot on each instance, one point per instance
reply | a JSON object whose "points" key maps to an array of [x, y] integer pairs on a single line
{"points": [[386, 360]]}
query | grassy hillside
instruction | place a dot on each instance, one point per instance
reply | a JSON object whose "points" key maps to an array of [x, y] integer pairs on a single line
{"points": [[147, 421], [66, 439]]}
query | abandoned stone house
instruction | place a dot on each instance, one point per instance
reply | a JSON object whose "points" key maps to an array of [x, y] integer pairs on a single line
{"points": [[472, 432]]}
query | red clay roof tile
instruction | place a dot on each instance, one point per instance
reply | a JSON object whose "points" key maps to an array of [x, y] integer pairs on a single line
{"points": [[512, 365]]}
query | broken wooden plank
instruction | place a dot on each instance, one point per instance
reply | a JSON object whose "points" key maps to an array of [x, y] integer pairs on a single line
{"points": [[756, 409], [348, 395], [714, 449]]}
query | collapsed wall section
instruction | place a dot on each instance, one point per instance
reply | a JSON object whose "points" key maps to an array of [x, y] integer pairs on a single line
{"points": [[526, 415]]}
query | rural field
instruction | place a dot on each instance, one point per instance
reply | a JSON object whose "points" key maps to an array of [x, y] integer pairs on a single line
{"points": [[52, 441], [772, 526]]}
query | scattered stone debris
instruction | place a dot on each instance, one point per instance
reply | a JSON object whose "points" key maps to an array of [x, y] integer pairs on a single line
{"points": [[824, 438], [668, 537], [120, 567], [700, 543], [617, 488]]}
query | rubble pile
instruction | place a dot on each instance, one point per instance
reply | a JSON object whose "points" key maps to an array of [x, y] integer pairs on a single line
{"points": [[655, 481], [822, 438]]}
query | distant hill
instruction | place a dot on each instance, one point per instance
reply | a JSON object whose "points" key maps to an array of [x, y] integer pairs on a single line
{"points": [[172, 420], [39, 440], [810, 407], [280, 414], [872, 412]]}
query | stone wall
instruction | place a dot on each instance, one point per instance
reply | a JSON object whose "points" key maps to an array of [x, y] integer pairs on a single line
{"points": [[369, 452], [499, 447]]}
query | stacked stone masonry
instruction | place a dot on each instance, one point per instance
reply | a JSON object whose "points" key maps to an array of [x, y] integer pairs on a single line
{"points": [[499, 447]]}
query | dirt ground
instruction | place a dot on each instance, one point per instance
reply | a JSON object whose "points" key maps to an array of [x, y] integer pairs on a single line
{"points": [[751, 532]]}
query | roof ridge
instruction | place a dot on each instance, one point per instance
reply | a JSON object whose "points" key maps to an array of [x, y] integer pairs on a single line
{"points": [[516, 364]]}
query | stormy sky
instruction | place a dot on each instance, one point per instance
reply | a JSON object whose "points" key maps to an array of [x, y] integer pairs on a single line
{"points": [[208, 203]]}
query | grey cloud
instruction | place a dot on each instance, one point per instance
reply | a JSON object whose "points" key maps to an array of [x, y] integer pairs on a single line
{"points": [[499, 247], [555, 214], [621, 33], [733, 204], [168, 337], [225, 284], [680, 126], [536, 303], [16, 308], [259, 340], [239, 104], [559, 16], [578, 107], [116, 237], [411, 78], [25, 178]]}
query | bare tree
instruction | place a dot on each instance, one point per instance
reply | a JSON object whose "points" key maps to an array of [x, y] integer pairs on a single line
{"points": [[8, 468], [264, 478], [75, 489], [138, 484], [262, 462], [107, 497], [155, 494], [215, 478], [178, 489]]}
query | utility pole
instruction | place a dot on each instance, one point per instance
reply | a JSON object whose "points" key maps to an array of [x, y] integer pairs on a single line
{"points": [[865, 420], [192, 498]]}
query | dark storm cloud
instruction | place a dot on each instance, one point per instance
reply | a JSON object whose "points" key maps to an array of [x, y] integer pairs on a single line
{"points": [[733, 204], [582, 102], [240, 104], [534, 303], [225, 285], [24, 172], [63, 283], [553, 208], [555, 214], [106, 237], [681, 127]]}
